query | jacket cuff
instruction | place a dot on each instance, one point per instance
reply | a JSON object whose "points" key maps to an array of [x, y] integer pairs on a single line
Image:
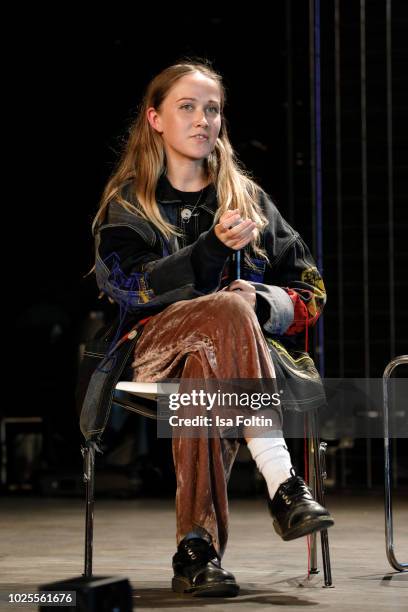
{"points": [[209, 242], [278, 305], [208, 259]]}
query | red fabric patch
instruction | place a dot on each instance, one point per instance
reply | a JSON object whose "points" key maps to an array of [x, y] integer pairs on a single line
{"points": [[301, 314]]}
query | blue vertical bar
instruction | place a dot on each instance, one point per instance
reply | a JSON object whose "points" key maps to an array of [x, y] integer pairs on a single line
{"points": [[319, 200]]}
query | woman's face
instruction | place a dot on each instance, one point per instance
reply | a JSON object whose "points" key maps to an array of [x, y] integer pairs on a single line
{"points": [[189, 118]]}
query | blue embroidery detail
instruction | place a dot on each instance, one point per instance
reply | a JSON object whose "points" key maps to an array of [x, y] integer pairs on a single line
{"points": [[256, 274], [129, 286]]}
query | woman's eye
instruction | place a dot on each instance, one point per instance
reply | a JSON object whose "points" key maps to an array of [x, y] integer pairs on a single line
{"points": [[214, 110]]}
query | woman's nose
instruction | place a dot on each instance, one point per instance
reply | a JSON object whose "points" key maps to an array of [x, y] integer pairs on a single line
{"points": [[201, 118]]}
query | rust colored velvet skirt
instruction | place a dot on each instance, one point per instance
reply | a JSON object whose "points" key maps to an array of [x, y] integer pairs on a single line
{"points": [[216, 336]]}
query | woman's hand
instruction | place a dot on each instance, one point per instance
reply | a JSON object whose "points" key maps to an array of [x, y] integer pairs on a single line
{"points": [[234, 232], [246, 291]]}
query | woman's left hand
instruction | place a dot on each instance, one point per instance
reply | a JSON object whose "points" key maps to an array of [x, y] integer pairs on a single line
{"points": [[247, 291]]}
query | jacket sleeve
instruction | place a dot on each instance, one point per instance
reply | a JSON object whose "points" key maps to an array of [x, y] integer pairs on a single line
{"points": [[135, 269], [293, 295]]}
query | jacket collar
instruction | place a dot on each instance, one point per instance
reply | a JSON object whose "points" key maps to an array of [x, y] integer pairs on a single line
{"points": [[165, 193]]}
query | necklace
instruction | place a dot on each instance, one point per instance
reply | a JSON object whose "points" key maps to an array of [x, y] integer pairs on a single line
{"points": [[186, 213]]}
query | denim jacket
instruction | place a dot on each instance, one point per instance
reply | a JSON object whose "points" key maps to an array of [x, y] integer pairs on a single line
{"points": [[142, 272]]}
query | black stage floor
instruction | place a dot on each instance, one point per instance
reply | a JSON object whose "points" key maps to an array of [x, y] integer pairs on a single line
{"points": [[42, 541]]}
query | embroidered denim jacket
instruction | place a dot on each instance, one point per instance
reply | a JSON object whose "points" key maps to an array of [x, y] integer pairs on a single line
{"points": [[140, 270]]}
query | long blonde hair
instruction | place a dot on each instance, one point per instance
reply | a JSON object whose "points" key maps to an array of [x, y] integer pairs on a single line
{"points": [[143, 161]]}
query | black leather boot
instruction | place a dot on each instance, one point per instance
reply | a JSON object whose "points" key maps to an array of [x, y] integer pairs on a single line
{"points": [[197, 570], [294, 511]]}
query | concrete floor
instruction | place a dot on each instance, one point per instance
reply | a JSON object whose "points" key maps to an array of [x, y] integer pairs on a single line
{"points": [[42, 541]]}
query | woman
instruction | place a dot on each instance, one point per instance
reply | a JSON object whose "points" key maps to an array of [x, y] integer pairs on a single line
{"points": [[172, 218]]}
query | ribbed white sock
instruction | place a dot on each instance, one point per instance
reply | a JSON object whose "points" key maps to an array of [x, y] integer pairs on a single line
{"points": [[273, 460]]}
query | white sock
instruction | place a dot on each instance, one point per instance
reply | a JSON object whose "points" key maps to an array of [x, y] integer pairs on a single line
{"points": [[273, 460]]}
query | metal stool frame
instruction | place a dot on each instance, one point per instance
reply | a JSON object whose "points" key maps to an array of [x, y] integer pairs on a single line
{"points": [[389, 531]]}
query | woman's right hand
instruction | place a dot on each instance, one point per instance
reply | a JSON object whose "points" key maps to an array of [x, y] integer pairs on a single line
{"points": [[233, 232]]}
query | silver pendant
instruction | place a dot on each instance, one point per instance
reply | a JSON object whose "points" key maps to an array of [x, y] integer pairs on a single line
{"points": [[185, 214]]}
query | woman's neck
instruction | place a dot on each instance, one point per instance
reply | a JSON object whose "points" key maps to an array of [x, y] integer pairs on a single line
{"points": [[187, 177]]}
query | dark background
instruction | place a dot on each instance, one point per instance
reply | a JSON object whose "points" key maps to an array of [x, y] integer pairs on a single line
{"points": [[77, 81]]}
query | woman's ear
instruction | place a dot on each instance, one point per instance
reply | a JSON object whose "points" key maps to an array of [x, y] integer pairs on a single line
{"points": [[154, 119]]}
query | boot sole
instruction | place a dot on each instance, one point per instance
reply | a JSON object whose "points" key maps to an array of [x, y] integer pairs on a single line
{"points": [[305, 528], [220, 589]]}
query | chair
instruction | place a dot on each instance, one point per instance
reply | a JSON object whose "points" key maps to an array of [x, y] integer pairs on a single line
{"points": [[389, 533], [126, 394]]}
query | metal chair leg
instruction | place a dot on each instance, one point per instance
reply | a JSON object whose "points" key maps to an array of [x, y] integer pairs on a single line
{"points": [[312, 483], [389, 532], [88, 453], [320, 473]]}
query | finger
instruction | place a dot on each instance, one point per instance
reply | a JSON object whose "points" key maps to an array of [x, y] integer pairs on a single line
{"points": [[243, 285], [246, 288], [241, 240], [226, 223], [245, 233], [237, 284], [228, 215], [232, 286], [232, 221], [240, 245], [241, 230], [232, 224]]}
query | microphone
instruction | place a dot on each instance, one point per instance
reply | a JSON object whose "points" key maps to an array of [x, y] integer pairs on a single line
{"points": [[238, 265], [237, 255]]}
